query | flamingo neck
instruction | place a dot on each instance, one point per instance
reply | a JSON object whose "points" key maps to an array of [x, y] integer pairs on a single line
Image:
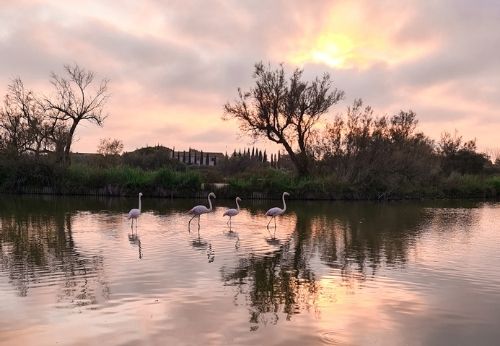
{"points": [[139, 203], [284, 204], [237, 205], [209, 203]]}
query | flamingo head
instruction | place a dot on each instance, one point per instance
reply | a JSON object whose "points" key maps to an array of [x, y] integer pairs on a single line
{"points": [[286, 194], [140, 194], [211, 194], [238, 199]]}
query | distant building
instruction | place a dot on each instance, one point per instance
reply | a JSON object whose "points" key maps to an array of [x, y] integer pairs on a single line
{"points": [[198, 157], [160, 155]]}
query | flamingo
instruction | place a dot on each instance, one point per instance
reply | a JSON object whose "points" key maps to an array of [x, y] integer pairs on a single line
{"points": [[233, 212], [201, 209], [276, 211], [134, 214]]}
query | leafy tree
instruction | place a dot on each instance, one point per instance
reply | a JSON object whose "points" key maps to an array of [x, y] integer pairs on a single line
{"points": [[461, 157], [110, 147], [377, 154], [284, 110]]}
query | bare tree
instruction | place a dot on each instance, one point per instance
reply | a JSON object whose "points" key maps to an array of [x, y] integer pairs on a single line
{"points": [[74, 101], [283, 110], [23, 121]]}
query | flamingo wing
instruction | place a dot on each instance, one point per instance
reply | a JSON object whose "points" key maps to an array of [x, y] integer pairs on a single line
{"points": [[230, 212], [274, 211], [199, 209], [134, 213]]}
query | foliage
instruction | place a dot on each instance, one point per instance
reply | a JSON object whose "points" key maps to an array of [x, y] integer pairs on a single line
{"points": [[461, 157], [110, 147], [378, 155]]}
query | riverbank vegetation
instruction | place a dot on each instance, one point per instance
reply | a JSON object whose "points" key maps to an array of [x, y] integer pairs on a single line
{"points": [[257, 181], [356, 155]]}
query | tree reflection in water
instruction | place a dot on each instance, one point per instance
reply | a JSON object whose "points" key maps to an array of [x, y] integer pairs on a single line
{"points": [[353, 241], [36, 245]]}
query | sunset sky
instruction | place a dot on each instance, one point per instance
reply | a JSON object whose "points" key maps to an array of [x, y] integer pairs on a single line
{"points": [[173, 64]]}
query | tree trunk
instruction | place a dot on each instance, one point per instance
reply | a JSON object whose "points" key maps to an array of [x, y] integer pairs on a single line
{"points": [[299, 160], [69, 141]]}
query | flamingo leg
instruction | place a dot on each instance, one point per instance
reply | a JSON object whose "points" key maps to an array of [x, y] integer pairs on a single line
{"points": [[191, 219], [189, 223], [271, 219], [275, 224]]}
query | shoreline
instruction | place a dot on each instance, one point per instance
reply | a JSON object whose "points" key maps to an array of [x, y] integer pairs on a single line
{"points": [[260, 196]]}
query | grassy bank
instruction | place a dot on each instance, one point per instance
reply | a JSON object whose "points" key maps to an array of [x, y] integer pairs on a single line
{"points": [[83, 179], [29, 177], [329, 187]]}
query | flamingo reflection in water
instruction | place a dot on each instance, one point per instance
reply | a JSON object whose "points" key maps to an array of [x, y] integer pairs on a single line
{"points": [[233, 235], [201, 244], [135, 240]]}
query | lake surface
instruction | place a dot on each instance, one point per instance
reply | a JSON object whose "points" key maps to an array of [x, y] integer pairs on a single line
{"points": [[399, 273]]}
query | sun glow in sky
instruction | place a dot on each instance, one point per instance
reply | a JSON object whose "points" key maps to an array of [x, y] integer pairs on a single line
{"points": [[351, 37], [173, 65]]}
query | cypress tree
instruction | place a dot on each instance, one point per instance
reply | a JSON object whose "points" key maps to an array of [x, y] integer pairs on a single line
{"points": [[264, 157], [201, 158]]}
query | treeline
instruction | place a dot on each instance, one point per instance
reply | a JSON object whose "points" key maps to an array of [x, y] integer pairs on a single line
{"points": [[357, 155], [388, 155]]}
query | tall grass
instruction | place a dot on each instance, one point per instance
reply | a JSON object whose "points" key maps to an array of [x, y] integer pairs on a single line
{"points": [[81, 179], [130, 178]]}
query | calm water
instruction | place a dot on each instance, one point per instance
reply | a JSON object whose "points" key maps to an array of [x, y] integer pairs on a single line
{"points": [[409, 273]]}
